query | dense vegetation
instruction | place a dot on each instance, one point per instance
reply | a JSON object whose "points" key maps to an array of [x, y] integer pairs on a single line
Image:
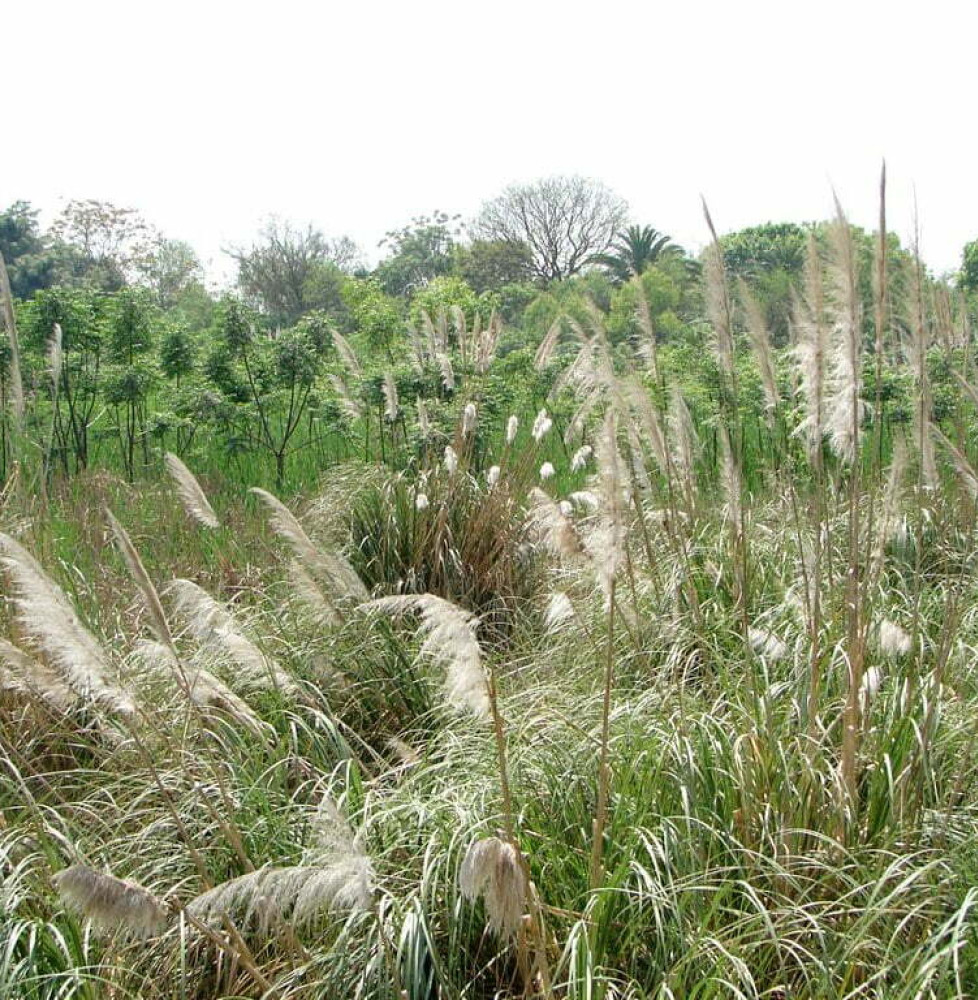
{"points": [[617, 638]]}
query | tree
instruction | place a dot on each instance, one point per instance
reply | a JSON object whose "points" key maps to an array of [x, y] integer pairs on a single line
{"points": [[170, 269], [113, 245], [774, 246], [968, 277], [290, 271], [24, 249], [565, 221], [419, 252], [488, 265], [634, 250]]}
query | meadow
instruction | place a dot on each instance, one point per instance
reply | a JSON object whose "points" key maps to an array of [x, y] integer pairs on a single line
{"points": [[578, 658]]}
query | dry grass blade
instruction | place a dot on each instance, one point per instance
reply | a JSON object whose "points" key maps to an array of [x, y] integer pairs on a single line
{"points": [[964, 469], [111, 903], [192, 496]]}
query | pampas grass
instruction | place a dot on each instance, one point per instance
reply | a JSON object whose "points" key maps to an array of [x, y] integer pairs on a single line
{"points": [[450, 640], [10, 325], [53, 627], [214, 626], [22, 675], [330, 567]]}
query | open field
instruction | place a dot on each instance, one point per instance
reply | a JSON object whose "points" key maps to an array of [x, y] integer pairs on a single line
{"points": [[623, 649]]}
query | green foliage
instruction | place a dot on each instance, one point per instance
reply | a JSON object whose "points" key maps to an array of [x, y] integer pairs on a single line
{"points": [[489, 265], [418, 253], [759, 249], [374, 314], [663, 298], [635, 250], [442, 294], [968, 278]]}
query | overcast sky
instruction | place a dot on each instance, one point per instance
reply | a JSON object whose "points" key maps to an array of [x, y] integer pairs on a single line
{"points": [[209, 116]]}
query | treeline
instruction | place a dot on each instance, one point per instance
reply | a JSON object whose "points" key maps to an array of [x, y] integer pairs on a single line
{"points": [[125, 353]]}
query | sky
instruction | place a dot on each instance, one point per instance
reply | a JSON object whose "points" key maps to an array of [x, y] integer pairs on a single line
{"points": [[210, 116]]}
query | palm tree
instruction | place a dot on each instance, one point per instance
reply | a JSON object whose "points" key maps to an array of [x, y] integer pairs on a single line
{"points": [[637, 248]]}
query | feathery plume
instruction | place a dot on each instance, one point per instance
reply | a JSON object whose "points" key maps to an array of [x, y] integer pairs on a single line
{"points": [[547, 471], [718, 299], [581, 457], [892, 639], [760, 342], [141, 578], [605, 544], [730, 477], [461, 330], [308, 592], [421, 501], [111, 903], [450, 640], [541, 426], [214, 626], [451, 460], [811, 352], [10, 323], [491, 869], [546, 349], [682, 434], [966, 472], [767, 644], [50, 621], [469, 415], [392, 406], [447, 371], [55, 356], [552, 526], [488, 342], [329, 567], [647, 349], [297, 895], [648, 423], [891, 519], [347, 354], [559, 610], [492, 476], [349, 405], [512, 426], [417, 349], [22, 675], [205, 690], [192, 496], [843, 403], [424, 424]]}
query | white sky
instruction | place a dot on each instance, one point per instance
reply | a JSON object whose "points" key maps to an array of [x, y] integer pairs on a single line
{"points": [[208, 116]]}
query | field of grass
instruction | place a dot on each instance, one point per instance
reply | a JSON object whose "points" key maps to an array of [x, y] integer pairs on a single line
{"points": [[629, 704]]}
